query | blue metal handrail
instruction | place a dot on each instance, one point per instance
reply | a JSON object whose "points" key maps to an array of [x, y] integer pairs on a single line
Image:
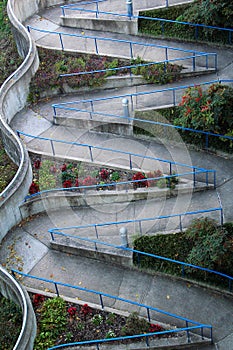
{"points": [[144, 336], [196, 25], [173, 90], [128, 184], [197, 325], [162, 20], [170, 162], [56, 230], [130, 43], [194, 169]]}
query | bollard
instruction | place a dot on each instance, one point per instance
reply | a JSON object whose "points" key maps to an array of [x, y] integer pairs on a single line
{"points": [[124, 238], [129, 4], [125, 104]]}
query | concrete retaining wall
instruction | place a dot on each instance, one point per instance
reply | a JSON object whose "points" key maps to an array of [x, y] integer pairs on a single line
{"points": [[12, 290], [104, 25]]}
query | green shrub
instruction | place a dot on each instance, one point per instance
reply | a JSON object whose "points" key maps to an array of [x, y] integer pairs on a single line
{"points": [[52, 323], [204, 244], [10, 323], [210, 110], [208, 12]]}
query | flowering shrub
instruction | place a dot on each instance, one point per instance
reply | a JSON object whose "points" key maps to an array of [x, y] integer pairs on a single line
{"points": [[139, 176], [209, 110], [38, 299], [67, 184], [34, 188], [153, 174], [89, 181], [103, 174], [155, 328], [37, 164], [85, 310], [72, 311]]}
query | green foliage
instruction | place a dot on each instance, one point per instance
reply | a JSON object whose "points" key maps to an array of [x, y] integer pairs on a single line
{"points": [[97, 319], [47, 180], [207, 243], [173, 246], [135, 325], [208, 12], [210, 110], [10, 323], [158, 73], [204, 244], [7, 168], [54, 63], [52, 322], [115, 176]]}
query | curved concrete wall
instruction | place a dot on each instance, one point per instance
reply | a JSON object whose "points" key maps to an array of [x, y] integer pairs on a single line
{"points": [[13, 97], [12, 290]]}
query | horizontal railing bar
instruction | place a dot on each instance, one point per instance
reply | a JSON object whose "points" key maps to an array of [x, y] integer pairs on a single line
{"points": [[110, 296], [202, 211], [112, 150], [117, 40]]}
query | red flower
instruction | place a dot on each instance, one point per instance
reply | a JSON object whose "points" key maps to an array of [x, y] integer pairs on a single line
{"points": [[38, 299], [37, 164], [63, 167], [76, 182], [34, 188], [103, 174], [72, 311], [139, 176], [155, 328], [85, 310], [67, 184]]}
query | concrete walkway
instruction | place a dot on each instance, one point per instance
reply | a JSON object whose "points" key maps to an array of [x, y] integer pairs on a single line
{"points": [[28, 245]]}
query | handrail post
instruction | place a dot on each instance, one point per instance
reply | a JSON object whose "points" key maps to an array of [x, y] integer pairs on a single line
{"points": [[181, 228], [96, 47], [91, 155], [96, 232], [52, 146], [62, 46], [54, 115], [194, 177], [194, 61], [131, 50], [221, 216], [148, 314], [207, 178], [101, 301], [130, 162], [57, 291], [97, 9], [174, 97]]}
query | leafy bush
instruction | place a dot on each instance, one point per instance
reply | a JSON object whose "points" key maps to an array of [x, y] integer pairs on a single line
{"points": [[210, 110], [158, 73], [204, 243], [52, 322], [208, 12], [54, 63], [10, 323]]}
